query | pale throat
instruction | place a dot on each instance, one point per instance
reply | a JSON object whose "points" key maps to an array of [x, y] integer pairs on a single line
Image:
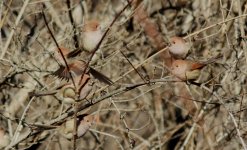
{"points": [[91, 39]]}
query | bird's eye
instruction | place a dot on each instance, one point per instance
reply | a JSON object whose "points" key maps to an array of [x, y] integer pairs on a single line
{"points": [[97, 26]]}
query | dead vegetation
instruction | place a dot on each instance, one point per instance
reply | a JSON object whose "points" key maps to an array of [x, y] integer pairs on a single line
{"points": [[146, 107]]}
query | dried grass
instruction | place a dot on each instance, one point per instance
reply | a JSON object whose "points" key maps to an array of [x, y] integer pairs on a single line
{"points": [[161, 115]]}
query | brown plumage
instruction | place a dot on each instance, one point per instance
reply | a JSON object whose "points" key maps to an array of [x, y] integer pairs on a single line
{"points": [[91, 36], [188, 69], [77, 68], [178, 48]]}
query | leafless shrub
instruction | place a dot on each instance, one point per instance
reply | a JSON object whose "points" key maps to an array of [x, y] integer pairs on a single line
{"points": [[146, 107]]}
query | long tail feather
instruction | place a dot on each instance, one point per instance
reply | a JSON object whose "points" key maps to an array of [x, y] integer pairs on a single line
{"points": [[74, 53], [100, 76]]}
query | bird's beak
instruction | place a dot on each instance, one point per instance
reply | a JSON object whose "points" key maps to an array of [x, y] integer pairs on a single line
{"points": [[103, 28]]}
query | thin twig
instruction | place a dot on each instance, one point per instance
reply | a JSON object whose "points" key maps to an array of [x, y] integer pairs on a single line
{"points": [[213, 25], [101, 40], [60, 51], [76, 41], [87, 65], [19, 127], [230, 114], [6, 13], [132, 66], [165, 48], [13, 29], [82, 106]]}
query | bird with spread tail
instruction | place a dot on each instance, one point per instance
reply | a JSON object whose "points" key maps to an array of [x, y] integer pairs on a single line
{"points": [[76, 67]]}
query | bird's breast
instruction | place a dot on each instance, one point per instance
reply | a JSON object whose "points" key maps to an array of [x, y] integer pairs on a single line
{"points": [[91, 39]]}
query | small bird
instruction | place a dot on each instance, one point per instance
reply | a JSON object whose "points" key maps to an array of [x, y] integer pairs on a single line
{"points": [[92, 33], [188, 69], [76, 67], [179, 48], [68, 92], [84, 123]]}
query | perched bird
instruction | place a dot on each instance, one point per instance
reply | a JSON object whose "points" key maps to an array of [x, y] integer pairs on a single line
{"points": [[179, 48], [76, 67], [188, 69], [68, 92], [84, 123], [91, 35]]}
